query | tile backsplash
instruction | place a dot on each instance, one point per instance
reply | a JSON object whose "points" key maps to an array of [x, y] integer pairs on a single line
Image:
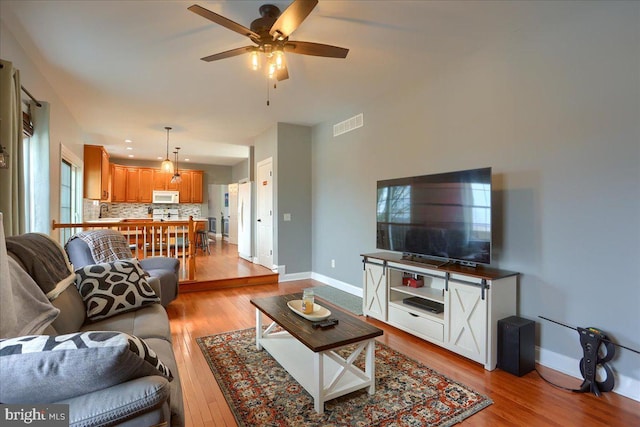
{"points": [[91, 209]]}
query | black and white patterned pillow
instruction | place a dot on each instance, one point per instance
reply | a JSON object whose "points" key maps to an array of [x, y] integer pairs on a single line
{"points": [[45, 369], [112, 288]]}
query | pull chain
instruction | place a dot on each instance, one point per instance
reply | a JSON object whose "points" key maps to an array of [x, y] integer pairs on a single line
{"points": [[275, 86], [267, 91]]}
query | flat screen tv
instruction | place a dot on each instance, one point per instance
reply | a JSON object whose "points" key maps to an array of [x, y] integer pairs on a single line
{"points": [[443, 217]]}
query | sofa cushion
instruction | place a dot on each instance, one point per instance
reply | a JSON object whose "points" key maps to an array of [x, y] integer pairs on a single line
{"points": [[112, 288], [72, 312], [45, 369], [139, 402], [150, 321]]}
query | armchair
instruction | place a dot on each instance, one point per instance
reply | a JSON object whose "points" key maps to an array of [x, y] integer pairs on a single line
{"points": [[97, 246]]}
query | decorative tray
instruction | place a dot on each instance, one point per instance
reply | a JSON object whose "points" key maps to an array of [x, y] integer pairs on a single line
{"points": [[319, 312]]}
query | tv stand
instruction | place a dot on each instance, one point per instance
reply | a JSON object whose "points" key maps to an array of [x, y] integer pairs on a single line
{"points": [[461, 307], [423, 260]]}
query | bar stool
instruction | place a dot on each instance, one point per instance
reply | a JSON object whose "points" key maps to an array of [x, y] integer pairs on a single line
{"points": [[202, 241]]}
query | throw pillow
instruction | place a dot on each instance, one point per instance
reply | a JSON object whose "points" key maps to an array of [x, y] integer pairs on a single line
{"points": [[113, 288], [46, 369]]}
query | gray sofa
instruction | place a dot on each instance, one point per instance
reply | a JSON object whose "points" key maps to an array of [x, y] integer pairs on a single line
{"points": [[137, 384]]}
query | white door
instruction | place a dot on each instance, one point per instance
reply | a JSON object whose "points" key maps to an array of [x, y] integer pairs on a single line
{"points": [[244, 221], [467, 315], [265, 213], [375, 291], [233, 213]]}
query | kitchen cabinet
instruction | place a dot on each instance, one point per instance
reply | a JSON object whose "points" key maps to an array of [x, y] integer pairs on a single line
{"points": [[133, 184], [96, 173], [118, 183], [161, 180], [196, 186], [185, 186], [146, 185]]}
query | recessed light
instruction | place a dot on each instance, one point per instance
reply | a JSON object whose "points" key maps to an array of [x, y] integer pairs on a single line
{"points": [[129, 148], [187, 160], [159, 157], [130, 155], [128, 141]]}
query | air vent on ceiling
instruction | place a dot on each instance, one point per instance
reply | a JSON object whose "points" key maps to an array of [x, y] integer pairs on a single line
{"points": [[348, 125]]}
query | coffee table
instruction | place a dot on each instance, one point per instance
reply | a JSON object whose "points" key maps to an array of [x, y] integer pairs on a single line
{"points": [[311, 355]]}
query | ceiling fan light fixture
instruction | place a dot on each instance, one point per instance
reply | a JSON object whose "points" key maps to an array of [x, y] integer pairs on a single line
{"points": [[279, 58], [272, 69], [255, 60], [167, 165]]}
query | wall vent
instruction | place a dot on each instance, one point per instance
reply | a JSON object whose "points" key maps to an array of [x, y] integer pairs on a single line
{"points": [[348, 125]]}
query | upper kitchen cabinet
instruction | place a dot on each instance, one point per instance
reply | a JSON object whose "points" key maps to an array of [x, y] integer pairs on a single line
{"points": [[196, 186], [96, 173], [161, 180], [146, 185], [131, 184], [190, 188], [118, 183]]}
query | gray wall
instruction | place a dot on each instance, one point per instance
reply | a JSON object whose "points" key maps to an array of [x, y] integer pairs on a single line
{"points": [[556, 114], [289, 146], [294, 197]]}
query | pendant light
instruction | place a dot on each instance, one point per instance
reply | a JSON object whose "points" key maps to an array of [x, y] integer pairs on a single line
{"points": [[167, 165], [176, 178]]}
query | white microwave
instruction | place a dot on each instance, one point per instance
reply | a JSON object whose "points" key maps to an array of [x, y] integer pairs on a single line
{"points": [[166, 197]]}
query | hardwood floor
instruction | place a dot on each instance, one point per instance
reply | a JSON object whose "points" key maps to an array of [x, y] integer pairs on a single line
{"points": [[524, 401], [222, 268]]}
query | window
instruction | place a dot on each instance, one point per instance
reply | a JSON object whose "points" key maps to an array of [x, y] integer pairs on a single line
{"points": [[35, 154], [70, 192]]}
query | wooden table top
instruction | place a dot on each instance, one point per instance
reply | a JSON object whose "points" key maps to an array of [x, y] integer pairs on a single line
{"points": [[349, 330]]}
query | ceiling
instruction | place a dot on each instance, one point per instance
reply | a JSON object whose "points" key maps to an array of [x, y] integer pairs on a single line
{"points": [[127, 69]]}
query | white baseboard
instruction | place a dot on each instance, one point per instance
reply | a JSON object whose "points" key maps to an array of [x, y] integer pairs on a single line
{"points": [[294, 276], [343, 286], [625, 386]]}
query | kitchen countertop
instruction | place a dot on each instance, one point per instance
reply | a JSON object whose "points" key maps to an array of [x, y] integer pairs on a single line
{"points": [[142, 219]]}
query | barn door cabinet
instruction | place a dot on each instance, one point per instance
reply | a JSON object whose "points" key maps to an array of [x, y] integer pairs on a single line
{"points": [[453, 306]]}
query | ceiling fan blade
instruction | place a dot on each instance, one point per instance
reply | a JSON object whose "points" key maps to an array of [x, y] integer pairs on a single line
{"points": [[282, 74], [228, 53], [291, 18], [221, 20], [315, 49]]}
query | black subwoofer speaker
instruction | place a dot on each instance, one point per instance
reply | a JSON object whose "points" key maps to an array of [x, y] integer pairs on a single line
{"points": [[516, 345]]}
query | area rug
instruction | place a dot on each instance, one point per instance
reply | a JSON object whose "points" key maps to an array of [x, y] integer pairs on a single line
{"points": [[261, 393], [340, 298]]}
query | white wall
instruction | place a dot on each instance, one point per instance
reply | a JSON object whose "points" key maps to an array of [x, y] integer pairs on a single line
{"points": [[556, 114]]}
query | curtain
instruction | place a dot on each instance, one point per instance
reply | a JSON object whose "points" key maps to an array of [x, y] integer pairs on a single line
{"points": [[11, 180], [39, 181]]}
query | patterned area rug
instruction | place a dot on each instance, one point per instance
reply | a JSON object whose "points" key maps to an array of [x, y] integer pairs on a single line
{"points": [[261, 393]]}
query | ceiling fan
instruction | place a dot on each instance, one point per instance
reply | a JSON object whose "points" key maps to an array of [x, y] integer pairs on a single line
{"points": [[270, 33]]}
